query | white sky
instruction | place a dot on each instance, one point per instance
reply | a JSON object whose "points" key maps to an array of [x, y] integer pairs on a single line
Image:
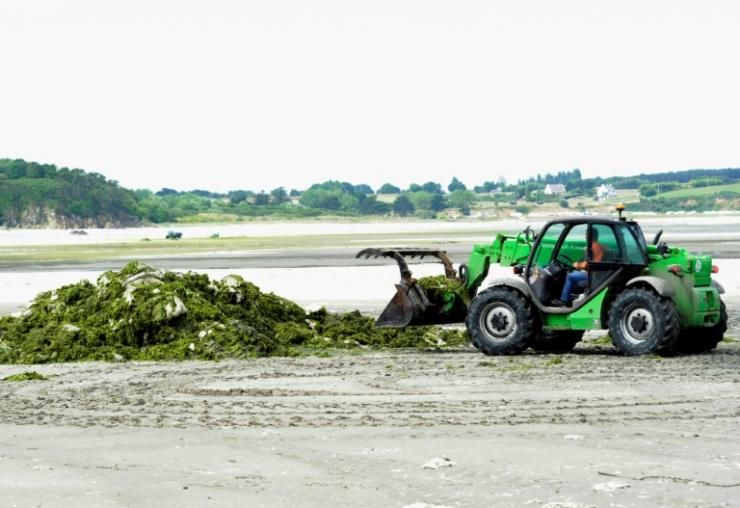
{"points": [[256, 94]]}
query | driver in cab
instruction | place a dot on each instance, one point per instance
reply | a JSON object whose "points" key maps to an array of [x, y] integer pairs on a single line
{"points": [[580, 274]]}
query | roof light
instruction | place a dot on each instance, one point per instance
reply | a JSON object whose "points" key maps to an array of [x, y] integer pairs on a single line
{"points": [[620, 209]]}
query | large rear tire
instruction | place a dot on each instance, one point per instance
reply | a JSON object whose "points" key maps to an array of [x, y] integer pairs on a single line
{"points": [[501, 321], [556, 341], [641, 322], [700, 340]]}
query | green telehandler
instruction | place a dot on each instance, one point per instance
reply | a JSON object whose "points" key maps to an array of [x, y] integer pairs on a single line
{"points": [[653, 299]]}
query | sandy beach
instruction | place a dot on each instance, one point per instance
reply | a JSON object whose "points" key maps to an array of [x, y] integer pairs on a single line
{"points": [[374, 428], [378, 429], [185, 188]]}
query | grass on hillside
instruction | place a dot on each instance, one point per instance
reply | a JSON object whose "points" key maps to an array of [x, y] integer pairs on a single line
{"points": [[700, 191], [486, 202]]}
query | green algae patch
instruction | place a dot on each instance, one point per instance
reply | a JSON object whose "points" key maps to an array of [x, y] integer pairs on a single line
{"points": [[141, 313], [26, 376], [603, 340], [352, 329], [449, 294]]}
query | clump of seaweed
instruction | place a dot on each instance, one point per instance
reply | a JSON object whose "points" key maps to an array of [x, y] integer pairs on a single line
{"points": [[26, 376], [450, 294], [141, 313]]}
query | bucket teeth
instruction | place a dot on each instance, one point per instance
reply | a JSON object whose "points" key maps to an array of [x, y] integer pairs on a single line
{"points": [[399, 255]]}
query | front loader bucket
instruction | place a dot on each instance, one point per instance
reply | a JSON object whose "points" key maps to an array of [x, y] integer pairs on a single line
{"points": [[407, 307], [410, 306]]}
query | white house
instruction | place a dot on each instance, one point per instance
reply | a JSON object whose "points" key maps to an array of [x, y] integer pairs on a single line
{"points": [[604, 192], [554, 189]]}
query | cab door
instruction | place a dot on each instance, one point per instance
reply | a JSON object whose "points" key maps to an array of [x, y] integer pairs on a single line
{"points": [[552, 257], [624, 255], [562, 246], [605, 255]]}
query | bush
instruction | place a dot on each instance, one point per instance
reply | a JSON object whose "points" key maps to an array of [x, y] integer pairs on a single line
{"points": [[425, 214], [403, 206]]}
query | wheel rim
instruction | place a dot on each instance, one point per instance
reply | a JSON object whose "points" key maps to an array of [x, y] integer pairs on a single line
{"points": [[638, 324], [498, 321]]}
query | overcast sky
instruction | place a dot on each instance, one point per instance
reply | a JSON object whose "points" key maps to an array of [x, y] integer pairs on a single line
{"points": [[256, 94]]}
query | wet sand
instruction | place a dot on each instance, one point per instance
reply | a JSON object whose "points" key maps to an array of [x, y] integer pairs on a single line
{"points": [[717, 235]]}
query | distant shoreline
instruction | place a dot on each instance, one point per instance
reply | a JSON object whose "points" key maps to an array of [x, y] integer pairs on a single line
{"points": [[289, 250], [535, 214], [308, 244]]}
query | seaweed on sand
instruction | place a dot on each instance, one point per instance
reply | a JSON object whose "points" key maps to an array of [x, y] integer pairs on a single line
{"points": [[26, 376], [143, 313]]}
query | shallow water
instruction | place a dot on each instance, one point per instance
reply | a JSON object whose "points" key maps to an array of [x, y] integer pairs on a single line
{"points": [[367, 288], [351, 283]]}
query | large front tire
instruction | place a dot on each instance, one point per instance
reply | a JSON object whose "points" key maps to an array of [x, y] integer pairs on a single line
{"points": [[501, 321], [641, 322], [700, 340]]}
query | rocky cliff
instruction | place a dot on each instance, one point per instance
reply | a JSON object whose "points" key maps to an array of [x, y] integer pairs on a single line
{"points": [[43, 217]]}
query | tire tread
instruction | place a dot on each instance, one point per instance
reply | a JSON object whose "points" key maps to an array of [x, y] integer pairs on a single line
{"points": [[527, 327], [665, 312]]}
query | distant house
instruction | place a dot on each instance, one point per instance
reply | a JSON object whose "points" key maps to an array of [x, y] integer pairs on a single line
{"points": [[554, 189], [454, 213], [604, 192]]}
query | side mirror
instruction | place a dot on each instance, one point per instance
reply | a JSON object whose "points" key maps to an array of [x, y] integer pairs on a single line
{"points": [[657, 236], [529, 234]]}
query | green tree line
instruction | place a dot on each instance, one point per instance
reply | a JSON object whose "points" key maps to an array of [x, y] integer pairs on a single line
{"points": [[68, 192], [84, 195]]}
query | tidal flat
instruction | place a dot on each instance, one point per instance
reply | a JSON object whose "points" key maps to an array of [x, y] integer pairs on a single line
{"points": [[311, 263], [377, 428]]}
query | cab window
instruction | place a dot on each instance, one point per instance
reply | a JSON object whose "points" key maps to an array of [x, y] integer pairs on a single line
{"points": [[573, 247], [607, 242], [549, 238], [635, 250]]}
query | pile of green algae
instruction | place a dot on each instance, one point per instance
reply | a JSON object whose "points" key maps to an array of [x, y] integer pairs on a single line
{"points": [[141, 313], [450, 295]]}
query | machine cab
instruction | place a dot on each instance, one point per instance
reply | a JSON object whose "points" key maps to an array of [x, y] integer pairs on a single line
{"points": [[603, 251]]}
